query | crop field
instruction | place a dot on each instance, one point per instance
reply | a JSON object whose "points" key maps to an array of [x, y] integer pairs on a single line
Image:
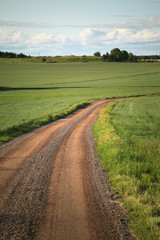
{"points": [[128, 140], [127, 132], [30, 91]]}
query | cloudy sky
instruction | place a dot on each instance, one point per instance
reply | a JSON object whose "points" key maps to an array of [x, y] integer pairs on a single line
{"points": [[65, 27]]}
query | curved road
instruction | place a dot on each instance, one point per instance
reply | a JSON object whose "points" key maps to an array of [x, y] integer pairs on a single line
{"points": [[53, 187]]}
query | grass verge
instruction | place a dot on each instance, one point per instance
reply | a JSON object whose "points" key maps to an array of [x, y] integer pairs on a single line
{"points": [[15, 131], [132, 162]]}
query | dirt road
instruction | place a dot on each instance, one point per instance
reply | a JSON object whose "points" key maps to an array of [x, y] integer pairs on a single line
{"points": [[53, 187]]}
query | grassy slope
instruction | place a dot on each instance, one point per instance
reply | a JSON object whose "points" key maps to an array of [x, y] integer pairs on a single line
{"points": [[130, 150], [57, 59], [31, 91]]}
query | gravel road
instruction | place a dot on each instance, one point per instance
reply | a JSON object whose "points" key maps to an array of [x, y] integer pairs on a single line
{"points": [[53, 187]]}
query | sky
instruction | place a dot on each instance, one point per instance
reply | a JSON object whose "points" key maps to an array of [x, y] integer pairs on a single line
{"points": [[79, 27]]}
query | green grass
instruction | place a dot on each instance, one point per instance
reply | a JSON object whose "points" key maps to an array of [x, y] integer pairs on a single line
{"points": [[29, 91], [128, 143]]}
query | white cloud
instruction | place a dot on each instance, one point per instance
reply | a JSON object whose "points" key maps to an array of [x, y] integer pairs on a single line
{"points": [[10, 38], [89, 38], [61, 39], [48, 40], [118, 36], [41, 38], [129, 36], [16, 36], [146, 36]]}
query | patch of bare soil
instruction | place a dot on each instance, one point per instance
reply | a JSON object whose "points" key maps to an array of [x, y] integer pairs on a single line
{"points": [[53, 187]]}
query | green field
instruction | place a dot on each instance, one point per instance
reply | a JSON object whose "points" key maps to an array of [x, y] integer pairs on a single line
{"points": [[128, 137], [32, 94], [30, 91]]}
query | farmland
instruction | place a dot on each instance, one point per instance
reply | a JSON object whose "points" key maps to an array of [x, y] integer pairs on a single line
{"points": [[32, 91], [127, 132]]}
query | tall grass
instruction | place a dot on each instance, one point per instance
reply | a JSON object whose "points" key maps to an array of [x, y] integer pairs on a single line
{"points": [[128, 143]]}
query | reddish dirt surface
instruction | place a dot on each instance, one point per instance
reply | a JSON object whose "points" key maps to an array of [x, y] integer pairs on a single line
{"points": [[53, 187]]}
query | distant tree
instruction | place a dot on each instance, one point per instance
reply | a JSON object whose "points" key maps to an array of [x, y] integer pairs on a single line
{"points": [[134, 58], [105, 57], [21, 55], [12, 55], [130, 57], [43, 59], [124, 56], [115, 54], [97, 54], [115, 51]]}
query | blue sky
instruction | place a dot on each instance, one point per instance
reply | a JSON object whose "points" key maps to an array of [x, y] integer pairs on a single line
{"points": [[65, 27]]}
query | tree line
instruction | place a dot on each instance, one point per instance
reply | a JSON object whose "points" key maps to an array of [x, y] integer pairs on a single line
{"points": [[12, 55], [149, 58], [116, 55]]}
